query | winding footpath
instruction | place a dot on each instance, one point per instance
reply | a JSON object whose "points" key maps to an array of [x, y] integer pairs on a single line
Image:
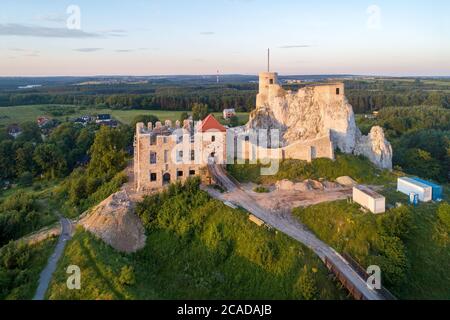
{"points": [[46, 274], [291, 227]]}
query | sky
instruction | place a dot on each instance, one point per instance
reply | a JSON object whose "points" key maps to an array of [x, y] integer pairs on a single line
{"points": [[173, 37]]}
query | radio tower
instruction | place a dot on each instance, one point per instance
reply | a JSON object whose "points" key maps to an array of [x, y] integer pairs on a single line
{"points": [[268, 60], [217, 76]]}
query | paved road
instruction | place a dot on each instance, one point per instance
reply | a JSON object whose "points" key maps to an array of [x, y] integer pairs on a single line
{"points": [[46, 274], [290, 226]]}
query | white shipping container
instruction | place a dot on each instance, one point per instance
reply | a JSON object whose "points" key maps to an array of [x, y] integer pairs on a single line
{"points": [[407, 186], [369, 199]]}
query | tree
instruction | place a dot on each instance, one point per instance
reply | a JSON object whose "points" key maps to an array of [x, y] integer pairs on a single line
{"points": [[77, 189], [84, 141], [24, 162], [234, 121], [7, 160], [183, 116], [199, 111], [107, 153], [421, 163], [30, 133], [50, 160]]}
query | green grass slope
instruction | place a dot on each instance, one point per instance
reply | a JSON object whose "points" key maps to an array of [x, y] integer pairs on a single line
{"points": [[20, 268], [359, 168], [197, 248], [409, 244]]}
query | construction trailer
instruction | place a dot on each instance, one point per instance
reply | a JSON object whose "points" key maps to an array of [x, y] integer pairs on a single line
{"points": [[436, 190], [369, 199], [409, 185]]}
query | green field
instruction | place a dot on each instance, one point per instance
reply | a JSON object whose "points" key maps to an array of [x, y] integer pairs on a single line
{"points": [[19, 114]]}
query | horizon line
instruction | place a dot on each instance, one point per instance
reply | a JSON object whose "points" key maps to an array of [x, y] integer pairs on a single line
{"points": [[225, 74]]}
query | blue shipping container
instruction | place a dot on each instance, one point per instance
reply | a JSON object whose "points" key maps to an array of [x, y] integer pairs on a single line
{"points": [[437, 189]]}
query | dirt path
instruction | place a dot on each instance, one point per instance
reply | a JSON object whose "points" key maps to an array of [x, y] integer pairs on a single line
{"points": [[280, 201], [290, 226], [46, 274]]}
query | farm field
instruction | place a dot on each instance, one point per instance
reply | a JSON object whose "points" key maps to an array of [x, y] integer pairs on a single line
{"points": [[19, 114]]}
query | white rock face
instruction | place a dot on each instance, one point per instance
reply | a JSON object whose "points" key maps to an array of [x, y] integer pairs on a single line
{"points": [[376, 148], [115, 222], [315, 111], [306, 115]]}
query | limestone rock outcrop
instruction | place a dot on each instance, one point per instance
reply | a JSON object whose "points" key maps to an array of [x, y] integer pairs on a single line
{"points": [[308, 114], [376, 148], [316, 111], [115, 222], [346, 181]]}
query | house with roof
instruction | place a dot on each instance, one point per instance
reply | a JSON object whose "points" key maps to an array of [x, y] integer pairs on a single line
{"points": [[103, 118], [166, 153], [42, 121], [106, 120], [229, 113], [14, 130]]}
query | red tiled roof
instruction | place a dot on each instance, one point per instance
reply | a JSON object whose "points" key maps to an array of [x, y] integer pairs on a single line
{"points": [[211, 124]]}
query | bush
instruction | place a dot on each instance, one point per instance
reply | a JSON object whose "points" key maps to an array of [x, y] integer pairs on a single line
{"points": [[18, 217], [127, 276], [397, 223], [20, 267], [170, 209], [306, 285], [217, 241], [261, 189], [444, 214], [26, 179], [370, 239]]}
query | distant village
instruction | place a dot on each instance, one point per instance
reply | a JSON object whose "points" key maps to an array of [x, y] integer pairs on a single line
{"points": [[46, 123]]}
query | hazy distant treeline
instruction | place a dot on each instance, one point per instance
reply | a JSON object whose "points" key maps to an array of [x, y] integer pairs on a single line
{"points": [[364, 97], [242, 97]]}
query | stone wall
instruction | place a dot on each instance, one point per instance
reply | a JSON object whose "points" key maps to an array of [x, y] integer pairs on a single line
{"points": [[172, 155], [301, 150]]}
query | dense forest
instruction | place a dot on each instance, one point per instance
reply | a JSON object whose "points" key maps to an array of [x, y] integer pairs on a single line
{"points": [[420, 137], [365, 95], [180, 97], [368, 96]]}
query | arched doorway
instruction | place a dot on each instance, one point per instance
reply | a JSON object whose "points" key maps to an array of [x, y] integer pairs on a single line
{"points": [[212, 158], [166, 178]]}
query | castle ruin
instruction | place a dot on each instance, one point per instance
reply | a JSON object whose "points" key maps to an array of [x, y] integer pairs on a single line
{"points": [[165, 153], [311, 123]]}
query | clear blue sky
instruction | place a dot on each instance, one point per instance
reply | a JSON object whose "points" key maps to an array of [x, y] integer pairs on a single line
{"points": [[148, 37]]}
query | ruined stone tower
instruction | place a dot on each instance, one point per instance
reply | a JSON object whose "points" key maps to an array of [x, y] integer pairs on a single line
{"points": [[268, 82]]}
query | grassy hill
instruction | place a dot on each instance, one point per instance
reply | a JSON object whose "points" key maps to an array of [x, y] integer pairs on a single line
{"points": [[197, 248], [409, 244]]}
